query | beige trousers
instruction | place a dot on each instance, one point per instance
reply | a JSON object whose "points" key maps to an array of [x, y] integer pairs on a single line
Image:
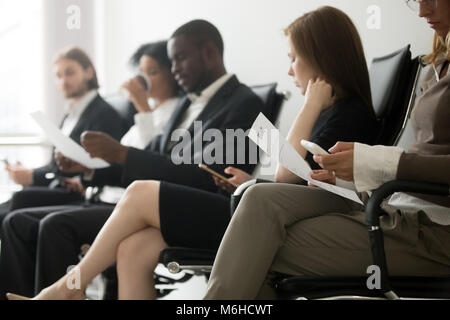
{"points": [[302, 231]]}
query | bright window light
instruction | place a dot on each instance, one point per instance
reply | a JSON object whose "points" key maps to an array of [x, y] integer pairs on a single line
{"points": [[21, 89]]}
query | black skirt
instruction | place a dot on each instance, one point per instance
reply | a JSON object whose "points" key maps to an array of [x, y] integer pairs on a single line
{"points": [[192, 217]]}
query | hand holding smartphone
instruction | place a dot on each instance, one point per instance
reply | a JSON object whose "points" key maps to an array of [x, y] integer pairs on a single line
{"points": [[313, 148], [217, 175], [5, 161]]}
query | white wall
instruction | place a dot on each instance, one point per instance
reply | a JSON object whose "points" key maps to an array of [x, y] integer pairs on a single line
{"points": [[255, 47], [56, 36]]}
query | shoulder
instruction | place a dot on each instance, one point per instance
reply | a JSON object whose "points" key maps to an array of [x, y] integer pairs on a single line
{"points": [[350, 104], [246, 95], [352, 114], [103, 107], [353, 107]]}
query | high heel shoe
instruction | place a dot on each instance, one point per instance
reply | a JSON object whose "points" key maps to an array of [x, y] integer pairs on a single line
{"points": [[12, 296]]}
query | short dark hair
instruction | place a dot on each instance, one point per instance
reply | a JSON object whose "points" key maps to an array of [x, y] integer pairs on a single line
{"points": [[156, 50], [78, 55], [201, 31]]}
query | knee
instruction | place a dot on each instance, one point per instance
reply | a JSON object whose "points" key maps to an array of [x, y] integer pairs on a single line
{"points": [[17, 199], [257, 200], [17, 225], [12, 221], [51, 223], [137, 188], [252, 194]]}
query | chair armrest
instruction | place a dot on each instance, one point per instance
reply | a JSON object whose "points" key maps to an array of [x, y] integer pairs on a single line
{"points": [[237, 195], [374, 211], [241, 189]]}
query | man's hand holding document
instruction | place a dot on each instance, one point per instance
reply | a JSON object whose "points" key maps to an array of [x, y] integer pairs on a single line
{"points": [[268, 138], [65, 145]]}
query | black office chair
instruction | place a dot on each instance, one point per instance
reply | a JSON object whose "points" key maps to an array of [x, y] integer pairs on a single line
{"points": [[125, 109], [392, 288], [393, 80]]}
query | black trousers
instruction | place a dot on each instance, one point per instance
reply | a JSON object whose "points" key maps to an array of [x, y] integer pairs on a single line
{"points": [[40, 243], [31, 197]]}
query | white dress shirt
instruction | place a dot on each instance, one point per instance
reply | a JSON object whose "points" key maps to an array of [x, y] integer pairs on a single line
{"points": [[376, 165], [199, 102], [149, 124], [74, 112]]}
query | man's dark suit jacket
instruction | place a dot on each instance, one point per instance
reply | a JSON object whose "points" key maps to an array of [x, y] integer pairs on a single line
{"points": [[234, 106], [98, 116]]}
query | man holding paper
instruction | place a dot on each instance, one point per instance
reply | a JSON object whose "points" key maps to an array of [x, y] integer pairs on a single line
{"points": [[76, 79]]}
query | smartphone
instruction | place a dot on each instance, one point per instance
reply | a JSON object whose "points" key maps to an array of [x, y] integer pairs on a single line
{"points": [[5, 161], [313, 148], [217, 175]]}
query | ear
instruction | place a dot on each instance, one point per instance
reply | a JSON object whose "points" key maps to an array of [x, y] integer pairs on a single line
{"points": [[209, 52], [89, 73]]}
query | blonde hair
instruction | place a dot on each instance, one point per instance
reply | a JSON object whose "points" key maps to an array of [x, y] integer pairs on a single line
{"points": [[440, 47]]}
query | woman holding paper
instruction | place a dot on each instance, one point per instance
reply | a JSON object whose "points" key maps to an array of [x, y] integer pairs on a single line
{"points": [[312, 233], [338, 101]]}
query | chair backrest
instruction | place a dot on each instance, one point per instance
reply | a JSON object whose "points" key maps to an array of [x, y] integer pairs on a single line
{"points": [[271, 98], [392, 80], [273, 102], [125, 109], [407, 136]]}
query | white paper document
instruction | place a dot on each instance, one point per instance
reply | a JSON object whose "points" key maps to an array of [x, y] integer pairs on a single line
{"points": [[268, 138], [66, 145]]}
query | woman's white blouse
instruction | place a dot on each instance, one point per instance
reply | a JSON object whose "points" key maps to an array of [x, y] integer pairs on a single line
{"points": [[149, 125]]}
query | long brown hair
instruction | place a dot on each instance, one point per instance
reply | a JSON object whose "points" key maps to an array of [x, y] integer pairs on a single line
{"points": [[78, 55], [328, 40], [441, 46]]}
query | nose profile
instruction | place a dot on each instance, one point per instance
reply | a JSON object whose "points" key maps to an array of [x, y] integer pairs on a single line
{"points": [[175, 68], [424, 10], [290, 72]]}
